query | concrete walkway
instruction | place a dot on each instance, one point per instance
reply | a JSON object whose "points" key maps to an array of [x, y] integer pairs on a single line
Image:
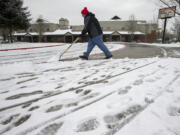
{"points": [[135, 51]]}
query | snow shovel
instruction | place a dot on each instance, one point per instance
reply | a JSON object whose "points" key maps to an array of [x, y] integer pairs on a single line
{"points": [[69, 47]]}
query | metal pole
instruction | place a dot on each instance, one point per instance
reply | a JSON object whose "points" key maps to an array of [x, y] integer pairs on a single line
{"points": [[164, 32]]}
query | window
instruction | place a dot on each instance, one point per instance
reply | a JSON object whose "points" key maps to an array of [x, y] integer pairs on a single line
{"points": [[122, 28], [47, 29]]}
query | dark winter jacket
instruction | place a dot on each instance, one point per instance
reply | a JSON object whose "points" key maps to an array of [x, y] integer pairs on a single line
{"points": [[91, 25]]}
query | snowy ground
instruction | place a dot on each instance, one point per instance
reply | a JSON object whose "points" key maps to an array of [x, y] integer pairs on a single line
{"points": [[40, 95], [163, 45]]}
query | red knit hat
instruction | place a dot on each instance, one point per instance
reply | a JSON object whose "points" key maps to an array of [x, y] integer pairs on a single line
{"points": [[84, 11]]}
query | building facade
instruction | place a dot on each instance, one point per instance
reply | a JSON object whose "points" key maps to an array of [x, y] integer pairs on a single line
{"points": [[113, 30], [118, 25], [47, 27]]}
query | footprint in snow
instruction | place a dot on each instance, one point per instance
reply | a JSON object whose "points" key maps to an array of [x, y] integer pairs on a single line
{"points": [[33, 108], [22, 120], [150, 80], [54, 108], [86, 92], [173, 111], [125, 90], [22, 95], [138, 82], [72, 104], [92, 95], [78, 91], [88, 125], [51, 129], [148, 100], [9, 119], [141, 76], [117, 121]]}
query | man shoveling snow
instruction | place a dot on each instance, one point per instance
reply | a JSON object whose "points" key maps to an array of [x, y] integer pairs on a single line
{"points": [[93, 28]]}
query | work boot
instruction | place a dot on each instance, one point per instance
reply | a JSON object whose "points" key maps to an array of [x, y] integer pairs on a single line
{"points": [[83, 57], [108, 57]]}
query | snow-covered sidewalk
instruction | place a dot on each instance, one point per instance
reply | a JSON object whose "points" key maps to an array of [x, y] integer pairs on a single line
{"points": [[163, 45], [40, 95]]}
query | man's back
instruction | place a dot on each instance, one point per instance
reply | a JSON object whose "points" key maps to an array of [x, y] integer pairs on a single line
{"points": [[92, 25]]}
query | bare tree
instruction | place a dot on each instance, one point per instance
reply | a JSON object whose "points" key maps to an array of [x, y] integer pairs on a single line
{"points": [[147, 27], [177, 29], [132, 26], [40, 27], [155, 27]]}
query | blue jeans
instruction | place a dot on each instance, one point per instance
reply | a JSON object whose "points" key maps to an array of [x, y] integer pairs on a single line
{"points": [[99, 42]]}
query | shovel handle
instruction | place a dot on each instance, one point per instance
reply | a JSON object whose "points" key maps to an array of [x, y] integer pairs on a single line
{"points": [[78, 38]]}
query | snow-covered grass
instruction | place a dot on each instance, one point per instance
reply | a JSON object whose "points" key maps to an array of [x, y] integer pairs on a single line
{"points": [[163, 45], [40, 95], [25, 45]]}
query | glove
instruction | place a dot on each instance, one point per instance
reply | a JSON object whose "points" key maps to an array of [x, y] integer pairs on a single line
{"points": [[80, 35], [83, 32]]}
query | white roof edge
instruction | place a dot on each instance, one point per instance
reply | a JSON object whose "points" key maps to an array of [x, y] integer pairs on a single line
{"points": [[64, 32], [124, 32], [23, 34]]}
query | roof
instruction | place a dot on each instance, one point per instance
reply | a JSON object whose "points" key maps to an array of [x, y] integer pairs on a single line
{"points": [[23, 34], [123, 32], [69, 31], [116, 18], [108, 32], [57, 32], [139, 33], [62, 32]]}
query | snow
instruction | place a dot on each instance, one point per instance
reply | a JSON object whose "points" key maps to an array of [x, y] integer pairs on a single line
{"points": [[123, 32], [163, 116], [29, 33], [127, 33], [40, 95], [64, 32], [25, 45], [177, 53], [57, 32], [61, 32], [164, 45], [108, 32]]}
